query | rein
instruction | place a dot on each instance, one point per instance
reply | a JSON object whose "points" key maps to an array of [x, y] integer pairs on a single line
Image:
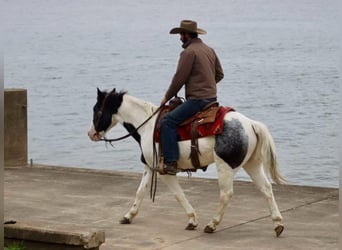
{"points": [[135, 130], [155, 155]]}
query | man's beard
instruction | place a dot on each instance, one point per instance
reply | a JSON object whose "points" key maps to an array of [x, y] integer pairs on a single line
{"points": [[184, 40]]}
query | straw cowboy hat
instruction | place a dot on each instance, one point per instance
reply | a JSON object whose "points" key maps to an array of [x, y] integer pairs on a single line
{"points": [[188, 26]]}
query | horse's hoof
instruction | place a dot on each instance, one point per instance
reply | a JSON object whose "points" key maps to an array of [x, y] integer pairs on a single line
{"points": [[125, 220], [191, 226], [279, 229], [208, 230]]}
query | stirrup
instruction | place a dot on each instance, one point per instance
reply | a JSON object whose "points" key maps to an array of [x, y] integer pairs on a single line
{"points": [[167, 169]]}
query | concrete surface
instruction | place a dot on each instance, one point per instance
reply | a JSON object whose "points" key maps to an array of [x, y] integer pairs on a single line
{"points": [[71, 197]]}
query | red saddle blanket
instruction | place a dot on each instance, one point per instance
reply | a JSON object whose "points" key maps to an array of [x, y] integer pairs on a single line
{"points": [[207, 129]]}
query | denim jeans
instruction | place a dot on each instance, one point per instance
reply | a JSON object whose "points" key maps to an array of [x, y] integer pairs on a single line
{"points": [[170, 122]]}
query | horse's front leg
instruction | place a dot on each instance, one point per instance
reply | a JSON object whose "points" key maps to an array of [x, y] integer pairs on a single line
{"points": [[140, 194], [172, 183]]}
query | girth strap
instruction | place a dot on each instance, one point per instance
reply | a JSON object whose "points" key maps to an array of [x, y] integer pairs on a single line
{"points": [[194, 152], [206, 116]]}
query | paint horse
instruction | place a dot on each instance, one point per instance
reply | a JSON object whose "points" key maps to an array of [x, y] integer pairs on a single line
{"points": [[244, 143]]}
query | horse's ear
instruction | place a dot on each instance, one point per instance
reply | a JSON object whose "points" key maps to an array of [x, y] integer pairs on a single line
{"points": [[113, 91], [100, 94]]}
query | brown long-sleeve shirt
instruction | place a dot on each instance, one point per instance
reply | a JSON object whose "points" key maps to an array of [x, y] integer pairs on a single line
{"points": [[199, 69]]}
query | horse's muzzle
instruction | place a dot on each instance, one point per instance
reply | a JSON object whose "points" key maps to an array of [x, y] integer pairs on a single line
{"points": [[94, 136]]}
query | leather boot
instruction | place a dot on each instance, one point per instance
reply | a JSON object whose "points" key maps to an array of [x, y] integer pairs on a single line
{"points": [[170, 168]]}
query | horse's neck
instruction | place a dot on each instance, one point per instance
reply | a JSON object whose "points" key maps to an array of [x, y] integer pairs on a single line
{"points": [[135, 111]]}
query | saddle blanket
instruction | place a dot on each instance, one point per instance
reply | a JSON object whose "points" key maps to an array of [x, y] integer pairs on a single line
{"points": [[207, 129]]}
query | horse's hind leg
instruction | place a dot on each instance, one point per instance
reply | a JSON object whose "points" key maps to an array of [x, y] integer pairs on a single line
{"points": [[176, 189], [140, 194], [225, 180], [257, 174]]}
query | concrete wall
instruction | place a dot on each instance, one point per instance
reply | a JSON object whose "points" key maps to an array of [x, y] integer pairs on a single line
{"points": [[15, 127], [51, 236]]}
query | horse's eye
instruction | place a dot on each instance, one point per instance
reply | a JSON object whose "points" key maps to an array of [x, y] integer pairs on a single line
{"points": [[99, 114]]}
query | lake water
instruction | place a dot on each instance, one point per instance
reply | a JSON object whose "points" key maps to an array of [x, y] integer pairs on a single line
{"points": [[279, 58]]}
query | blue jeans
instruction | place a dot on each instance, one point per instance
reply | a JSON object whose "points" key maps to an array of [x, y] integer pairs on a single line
{"points": [[170, 122]]}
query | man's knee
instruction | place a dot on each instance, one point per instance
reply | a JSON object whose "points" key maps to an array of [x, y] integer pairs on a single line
{"points": [[164, 122], [167, 121]]}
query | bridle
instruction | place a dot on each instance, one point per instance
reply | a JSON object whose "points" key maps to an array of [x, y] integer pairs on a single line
{"points": [[133, 131], [99, 115]]}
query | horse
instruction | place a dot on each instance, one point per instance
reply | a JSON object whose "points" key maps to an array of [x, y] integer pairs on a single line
{"points": [[243, 143]]}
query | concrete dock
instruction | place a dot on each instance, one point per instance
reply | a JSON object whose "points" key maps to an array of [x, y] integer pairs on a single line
{"points": [[69, 198]]}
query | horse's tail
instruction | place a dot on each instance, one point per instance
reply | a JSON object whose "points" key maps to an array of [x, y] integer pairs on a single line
{"points": [[266, 150]]}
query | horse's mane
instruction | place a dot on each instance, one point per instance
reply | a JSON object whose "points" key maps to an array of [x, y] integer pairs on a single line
{"points": [[120, 93], [150, 107]]}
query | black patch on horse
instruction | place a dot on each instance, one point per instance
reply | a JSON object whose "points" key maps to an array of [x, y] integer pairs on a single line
{"points": [[107, 104], [232, 144], [133, 131]]}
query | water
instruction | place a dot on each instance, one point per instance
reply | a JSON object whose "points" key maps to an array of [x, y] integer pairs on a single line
{"points": [[279, 57]]}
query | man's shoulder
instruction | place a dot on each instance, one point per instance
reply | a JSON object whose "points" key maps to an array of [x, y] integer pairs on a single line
{"points": [[198, 45], [196, 42]]}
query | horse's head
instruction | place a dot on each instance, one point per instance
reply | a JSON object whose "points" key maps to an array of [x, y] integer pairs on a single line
{"points": [[104, 111]]}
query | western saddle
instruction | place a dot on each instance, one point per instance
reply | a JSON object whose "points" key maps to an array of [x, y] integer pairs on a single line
{"points": [[206, 115]]}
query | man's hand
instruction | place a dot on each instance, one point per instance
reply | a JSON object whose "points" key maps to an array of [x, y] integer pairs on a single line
{"points": [[163, 101]]}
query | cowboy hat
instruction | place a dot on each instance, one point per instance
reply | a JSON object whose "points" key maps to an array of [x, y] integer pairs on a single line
{"points": [[188, 26]]}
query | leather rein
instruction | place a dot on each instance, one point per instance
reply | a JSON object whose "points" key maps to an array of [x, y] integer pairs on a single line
{"points": [[135, 129], [155, 155], [155, 166]]}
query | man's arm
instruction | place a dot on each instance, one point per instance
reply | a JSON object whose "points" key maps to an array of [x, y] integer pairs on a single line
{"points": [[182, 73], [218, 71]]}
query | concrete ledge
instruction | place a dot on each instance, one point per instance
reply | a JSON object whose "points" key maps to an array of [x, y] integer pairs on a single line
{"points": [[49, 236]]}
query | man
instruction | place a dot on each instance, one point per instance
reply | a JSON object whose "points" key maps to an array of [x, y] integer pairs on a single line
{"points": [[199, 70]]}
